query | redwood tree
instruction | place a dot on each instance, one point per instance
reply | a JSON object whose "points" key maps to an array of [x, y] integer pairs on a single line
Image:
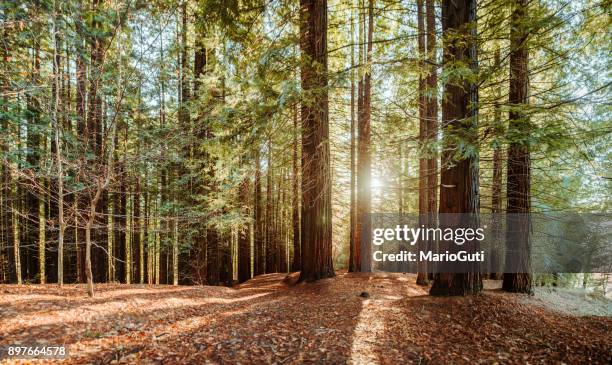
{"points": [[316, 177], [519, 163], [459, 187]]}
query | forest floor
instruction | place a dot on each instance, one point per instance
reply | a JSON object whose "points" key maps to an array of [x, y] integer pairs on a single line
{"points": [[267, 320]]}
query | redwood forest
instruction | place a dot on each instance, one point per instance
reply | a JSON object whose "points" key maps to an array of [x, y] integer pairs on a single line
{"points": [[250, 181]]}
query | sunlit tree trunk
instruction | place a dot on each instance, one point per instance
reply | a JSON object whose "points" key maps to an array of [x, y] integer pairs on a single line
{"points": [[364, 163], [352, 210], [357, 230]]}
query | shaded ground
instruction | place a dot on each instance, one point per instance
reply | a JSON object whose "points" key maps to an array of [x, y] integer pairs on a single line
{"points": [[267, 321]]}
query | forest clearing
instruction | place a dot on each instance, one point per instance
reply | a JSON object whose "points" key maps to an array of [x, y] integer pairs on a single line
{"points": [[305, 181], [267, 320]]}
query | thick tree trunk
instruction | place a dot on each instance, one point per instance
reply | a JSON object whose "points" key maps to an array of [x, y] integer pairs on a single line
{"points": [[518, 227], [316, 176], [459, 176]]}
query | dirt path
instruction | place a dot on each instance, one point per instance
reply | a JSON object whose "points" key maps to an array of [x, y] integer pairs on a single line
{"points": [[268, 321]]}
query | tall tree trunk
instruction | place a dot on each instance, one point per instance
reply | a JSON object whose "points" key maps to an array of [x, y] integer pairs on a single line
{"points": [[280, 232], [431, 108], [364, 163], [33, 261], [518, 226], [278, 223], [81, 127], [316, 176], [423, 177], [496, 183], [57, 110], [352, 243], [459, 176], [94, 137], [270, 254], [357, 230], [295, 205], [185, 125], [5, 184]]}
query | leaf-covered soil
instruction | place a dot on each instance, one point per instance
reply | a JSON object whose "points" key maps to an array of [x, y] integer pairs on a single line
{"points": [[267, 320]]}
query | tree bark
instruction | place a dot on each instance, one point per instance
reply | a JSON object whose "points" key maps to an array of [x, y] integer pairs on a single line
{"points": [[518, 226], [316, 176], [459, 190], [423, 176], [364, 162], [431, 108], [81, 110], [295, 203], [352, 242], [57, 110], [496, 183]]}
